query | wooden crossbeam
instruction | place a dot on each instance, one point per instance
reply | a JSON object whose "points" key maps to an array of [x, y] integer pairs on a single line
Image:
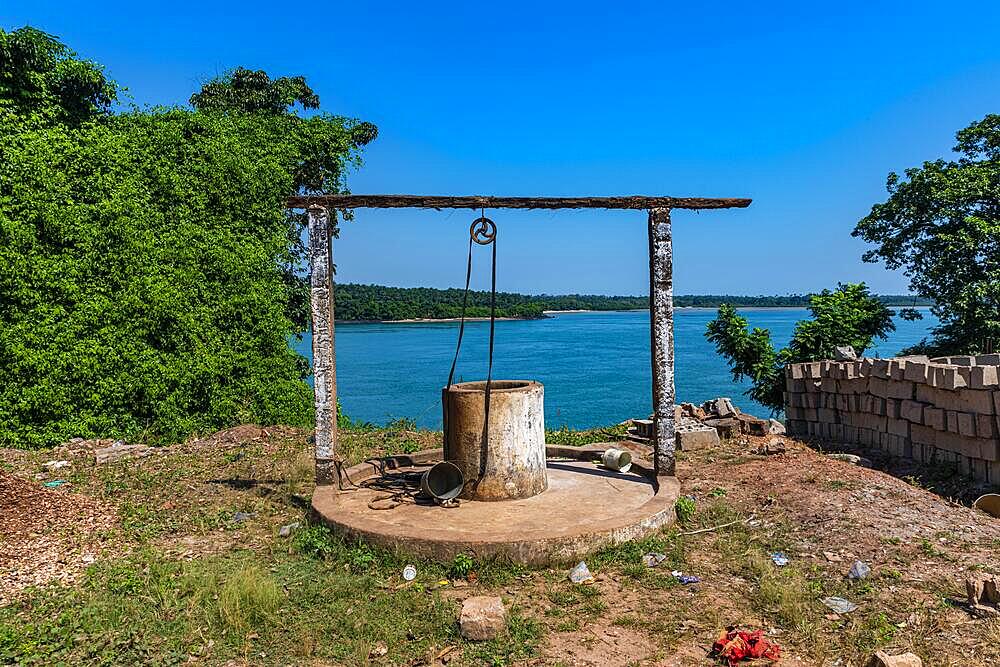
{"points": [[421, 201]]}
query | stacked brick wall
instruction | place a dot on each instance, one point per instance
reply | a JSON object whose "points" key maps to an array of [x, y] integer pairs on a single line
{"points": [[936, 411]]}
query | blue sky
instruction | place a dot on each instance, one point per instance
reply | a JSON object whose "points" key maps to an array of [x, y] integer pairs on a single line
{"points": [[805, 107]]}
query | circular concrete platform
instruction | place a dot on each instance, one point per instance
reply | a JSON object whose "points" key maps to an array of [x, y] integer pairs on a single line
{"points": [[585, 507]]}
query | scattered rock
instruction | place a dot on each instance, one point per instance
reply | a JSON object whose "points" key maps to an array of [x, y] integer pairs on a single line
{"points": [[851, 458], [840, 605], [844, 353], [483, 618], [832, 557], [773, 446], [379, 650], [55, 465], [119, 451], [286, 531], [240, 517], [883, 659], [776, 427], [859, 570], [984, 595]]}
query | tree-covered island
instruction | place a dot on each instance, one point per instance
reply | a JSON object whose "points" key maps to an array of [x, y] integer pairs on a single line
{"points": [[378, 303]]}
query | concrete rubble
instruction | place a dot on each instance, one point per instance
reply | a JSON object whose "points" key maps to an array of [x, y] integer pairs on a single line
{"points": [[483, 618], [118, 451], [700, 427], [844, 353], [983, 592], [103, 451]]}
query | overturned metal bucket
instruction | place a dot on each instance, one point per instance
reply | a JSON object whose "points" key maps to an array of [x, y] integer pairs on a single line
{"points": [[443, 482]]}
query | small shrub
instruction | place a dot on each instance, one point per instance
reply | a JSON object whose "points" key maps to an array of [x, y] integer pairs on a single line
{"points": [[313, 540], [362, 558], [685, 508], [462, 565]]}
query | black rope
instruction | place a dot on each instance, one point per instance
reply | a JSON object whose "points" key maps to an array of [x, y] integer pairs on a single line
{"points": [[484, 445], [483, 231], [396, 487], [461, 327]]}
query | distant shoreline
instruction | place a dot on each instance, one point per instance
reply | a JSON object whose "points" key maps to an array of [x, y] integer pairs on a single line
{"points": [[409, 305], [438, 320], [547, 314]]}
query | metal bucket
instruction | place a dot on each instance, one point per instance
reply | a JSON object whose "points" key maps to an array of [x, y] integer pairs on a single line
{"points": [[443, 482]]}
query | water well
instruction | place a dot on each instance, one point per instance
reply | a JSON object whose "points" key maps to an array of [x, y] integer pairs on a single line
{"points": [[505, 459], [521, 499]]}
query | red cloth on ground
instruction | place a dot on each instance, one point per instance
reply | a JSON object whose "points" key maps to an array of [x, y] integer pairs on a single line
{"points": [[735, 645]]}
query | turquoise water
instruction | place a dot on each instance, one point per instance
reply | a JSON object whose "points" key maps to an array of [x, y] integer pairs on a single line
{"points": [[595, 366]]}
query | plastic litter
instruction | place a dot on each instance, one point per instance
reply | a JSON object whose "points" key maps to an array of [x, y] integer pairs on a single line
{"points": [[409, 573], [734, 645], [859, 570], [780, 559], [685, 578], [840, 605], [243, 516], [55, 465], [55, 482], [581, 574], [286, 530], [653, 559]]}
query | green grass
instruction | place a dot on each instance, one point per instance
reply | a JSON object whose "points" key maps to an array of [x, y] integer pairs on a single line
{"points": [[245, 596], [248, 599], [519, 642], [566, 436], [146, 608]]}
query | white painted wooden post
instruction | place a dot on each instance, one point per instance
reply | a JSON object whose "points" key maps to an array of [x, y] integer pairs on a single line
{"points": [[324, 357], [661, 326]]}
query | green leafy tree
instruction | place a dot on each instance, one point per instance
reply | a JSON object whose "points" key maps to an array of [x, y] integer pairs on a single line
{"points": [[848, 315], [40, 75], [150, 276], [941, 225]]}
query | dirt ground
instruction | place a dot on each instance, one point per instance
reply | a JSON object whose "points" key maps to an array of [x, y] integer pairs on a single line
{"points": [[828, 514], [823, 514]]}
